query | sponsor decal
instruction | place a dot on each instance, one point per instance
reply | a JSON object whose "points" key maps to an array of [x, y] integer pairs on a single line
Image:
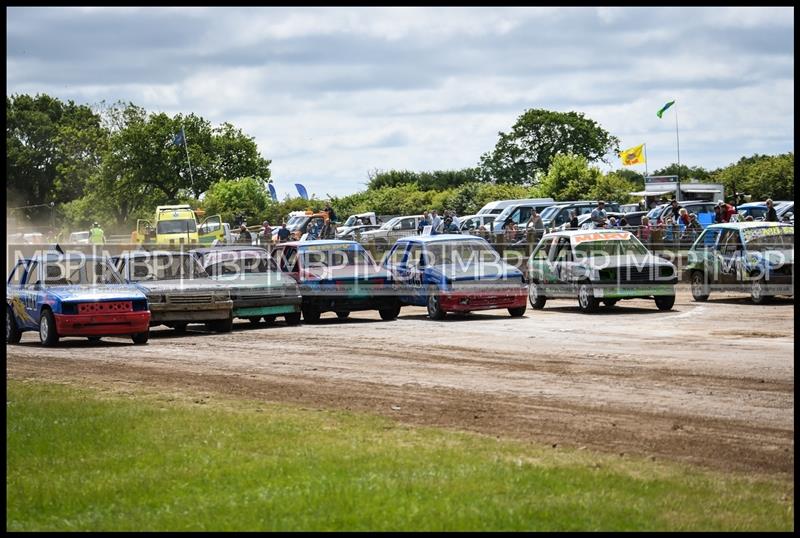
{"points": [[596, 236], [767, 231]]}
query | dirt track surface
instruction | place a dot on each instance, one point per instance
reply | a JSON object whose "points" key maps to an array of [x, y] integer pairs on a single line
{"points": [[707, 383]]}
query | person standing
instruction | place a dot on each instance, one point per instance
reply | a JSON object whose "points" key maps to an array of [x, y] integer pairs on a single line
{"points": [[424, 221], [675, 207], [535, 227], [267, 231], [283, 233], [331, 212], [573, 220], [436, 222], [726, 211], [96, 234], [772, 215], [644, 230], [598, 215], [244, 236]]}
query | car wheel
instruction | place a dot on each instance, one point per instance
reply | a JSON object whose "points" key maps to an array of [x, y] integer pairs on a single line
{"points": [[535, 296], [610, 302], [586, 300], [311, 314], [180, 328], [517, 311], [292, 319], [699, 287], [255, 320], [221, 325], [47, 329], [434, 305], [388, 314], [665, 302], [269, 320], [13, 334], [342, 315], [757, 292], [94, 339], [140, 338]]}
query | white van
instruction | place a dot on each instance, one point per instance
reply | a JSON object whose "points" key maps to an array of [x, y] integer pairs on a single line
{"points": [[497, 207], [519, 212]]}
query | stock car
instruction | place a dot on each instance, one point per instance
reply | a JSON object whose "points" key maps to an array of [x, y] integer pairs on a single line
{"points": [[598, 265], [751, 256], [337, 276], [455, 273], [178, 289], [258, 289], [72, 295]]}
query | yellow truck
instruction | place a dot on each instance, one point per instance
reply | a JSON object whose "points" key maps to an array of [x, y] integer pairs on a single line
{"points": [[177, 225]]}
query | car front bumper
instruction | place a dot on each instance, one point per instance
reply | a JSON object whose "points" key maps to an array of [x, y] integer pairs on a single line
{"points": [[121, 323]]}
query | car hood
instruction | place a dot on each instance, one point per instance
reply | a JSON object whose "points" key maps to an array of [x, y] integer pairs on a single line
{"points": [[627, 261], [196, 284], [95, 293], [258, 280], [483, 271]]}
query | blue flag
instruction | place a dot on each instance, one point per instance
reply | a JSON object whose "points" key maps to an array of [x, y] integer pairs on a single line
{"points": [[302, 191], [180, 138], [272, 192]]}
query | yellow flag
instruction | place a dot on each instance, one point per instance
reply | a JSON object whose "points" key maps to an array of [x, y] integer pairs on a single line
{"points": [[634, 155]]}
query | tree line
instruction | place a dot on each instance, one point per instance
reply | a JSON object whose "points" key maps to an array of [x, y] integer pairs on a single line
{"points": [[114, 163]]}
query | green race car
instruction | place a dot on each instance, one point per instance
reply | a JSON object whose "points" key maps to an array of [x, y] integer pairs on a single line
{"points": [[598, 265]]}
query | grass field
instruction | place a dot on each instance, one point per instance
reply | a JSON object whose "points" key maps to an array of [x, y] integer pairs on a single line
{"points": [[86, 459]]}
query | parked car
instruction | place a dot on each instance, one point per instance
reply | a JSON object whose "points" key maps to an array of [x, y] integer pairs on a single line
{"points": [[755, 257], [598, 265], [353, 233], [79, 238], [658, 213], [72, 295], [556, 215], [392, 230], [497, 206], [455, 273], [337, 276], [352, 222], [519, 213], [258, 288], [178, 289], [471, 223]]}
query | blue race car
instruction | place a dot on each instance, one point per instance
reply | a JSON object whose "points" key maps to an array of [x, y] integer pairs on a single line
{"points": [[72, 295], [455, 273]]}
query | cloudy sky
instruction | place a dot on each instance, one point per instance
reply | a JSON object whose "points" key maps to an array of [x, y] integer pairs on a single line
{"points": [[332, 93]]}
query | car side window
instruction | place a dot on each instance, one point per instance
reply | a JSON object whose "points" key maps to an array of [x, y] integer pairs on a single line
{"points": [[730, 242], [563, 250], [15, 278], [32, 277], [541, 252], [397, 255]]}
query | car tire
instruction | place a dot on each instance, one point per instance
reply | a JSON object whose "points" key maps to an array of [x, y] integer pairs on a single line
{"points": [[311, 314], [518, 311], [757, 292], [609, 303], [700, 290], [586, 300], [221, 325], [535, 296], [388, 314], [665, 302], [140, 338], [434, 305], [292, 319], [180, 328], [342, 315], [254, 320], [47, 328], [94, 339], [13, 334]]}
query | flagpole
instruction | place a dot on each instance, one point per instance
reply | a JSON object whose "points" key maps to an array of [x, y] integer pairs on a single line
{"points": [[645, 159], [191, 176], [677, 138]]}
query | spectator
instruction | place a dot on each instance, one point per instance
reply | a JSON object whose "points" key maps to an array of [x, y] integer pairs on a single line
{"points": [[692, 229], [509, 231], [623, 222], [244, 235], [612, 222], [449, 227], [424, 221], [267, 231], [535, 227], [717, 214], [283, 233], [645, 229], [683, 217], [331, 212], [573, 220], [772, 215], [436, 222], [96, 234], [675, 208], [598, 216], [726, 211]]}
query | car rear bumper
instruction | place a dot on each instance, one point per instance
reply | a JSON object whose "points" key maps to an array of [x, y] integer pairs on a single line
{"points": [[339, 303], [102, 324]]}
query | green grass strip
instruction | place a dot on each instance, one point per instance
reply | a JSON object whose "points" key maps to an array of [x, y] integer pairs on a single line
{"points": [[87, 459]]}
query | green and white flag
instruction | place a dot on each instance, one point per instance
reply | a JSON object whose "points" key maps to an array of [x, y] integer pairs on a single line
{"points": [[664, 108]]}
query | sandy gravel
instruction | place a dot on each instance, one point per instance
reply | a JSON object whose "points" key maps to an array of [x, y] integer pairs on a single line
{"points": [[709, 383]]}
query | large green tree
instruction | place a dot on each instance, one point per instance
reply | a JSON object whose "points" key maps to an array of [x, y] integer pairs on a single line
{"points": [[759, 176], [435, 180], [233, 197], [569, 178], [684, 172], [524, 155]]}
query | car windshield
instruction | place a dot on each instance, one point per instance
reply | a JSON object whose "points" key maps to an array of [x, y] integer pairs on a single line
{"points": [[459, 252], [769, 238], [390, 223], [549, 212], [351, 221], [176, 226], [610, 247], [757, 212], [167, 266], [238, 262], [655, 212], [335, 256], [80, 272]]}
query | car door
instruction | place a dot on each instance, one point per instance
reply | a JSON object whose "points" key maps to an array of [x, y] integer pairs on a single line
{"points": [[539, 267], [15, 296], [730, 256], [30, 290], [395, 262]]}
